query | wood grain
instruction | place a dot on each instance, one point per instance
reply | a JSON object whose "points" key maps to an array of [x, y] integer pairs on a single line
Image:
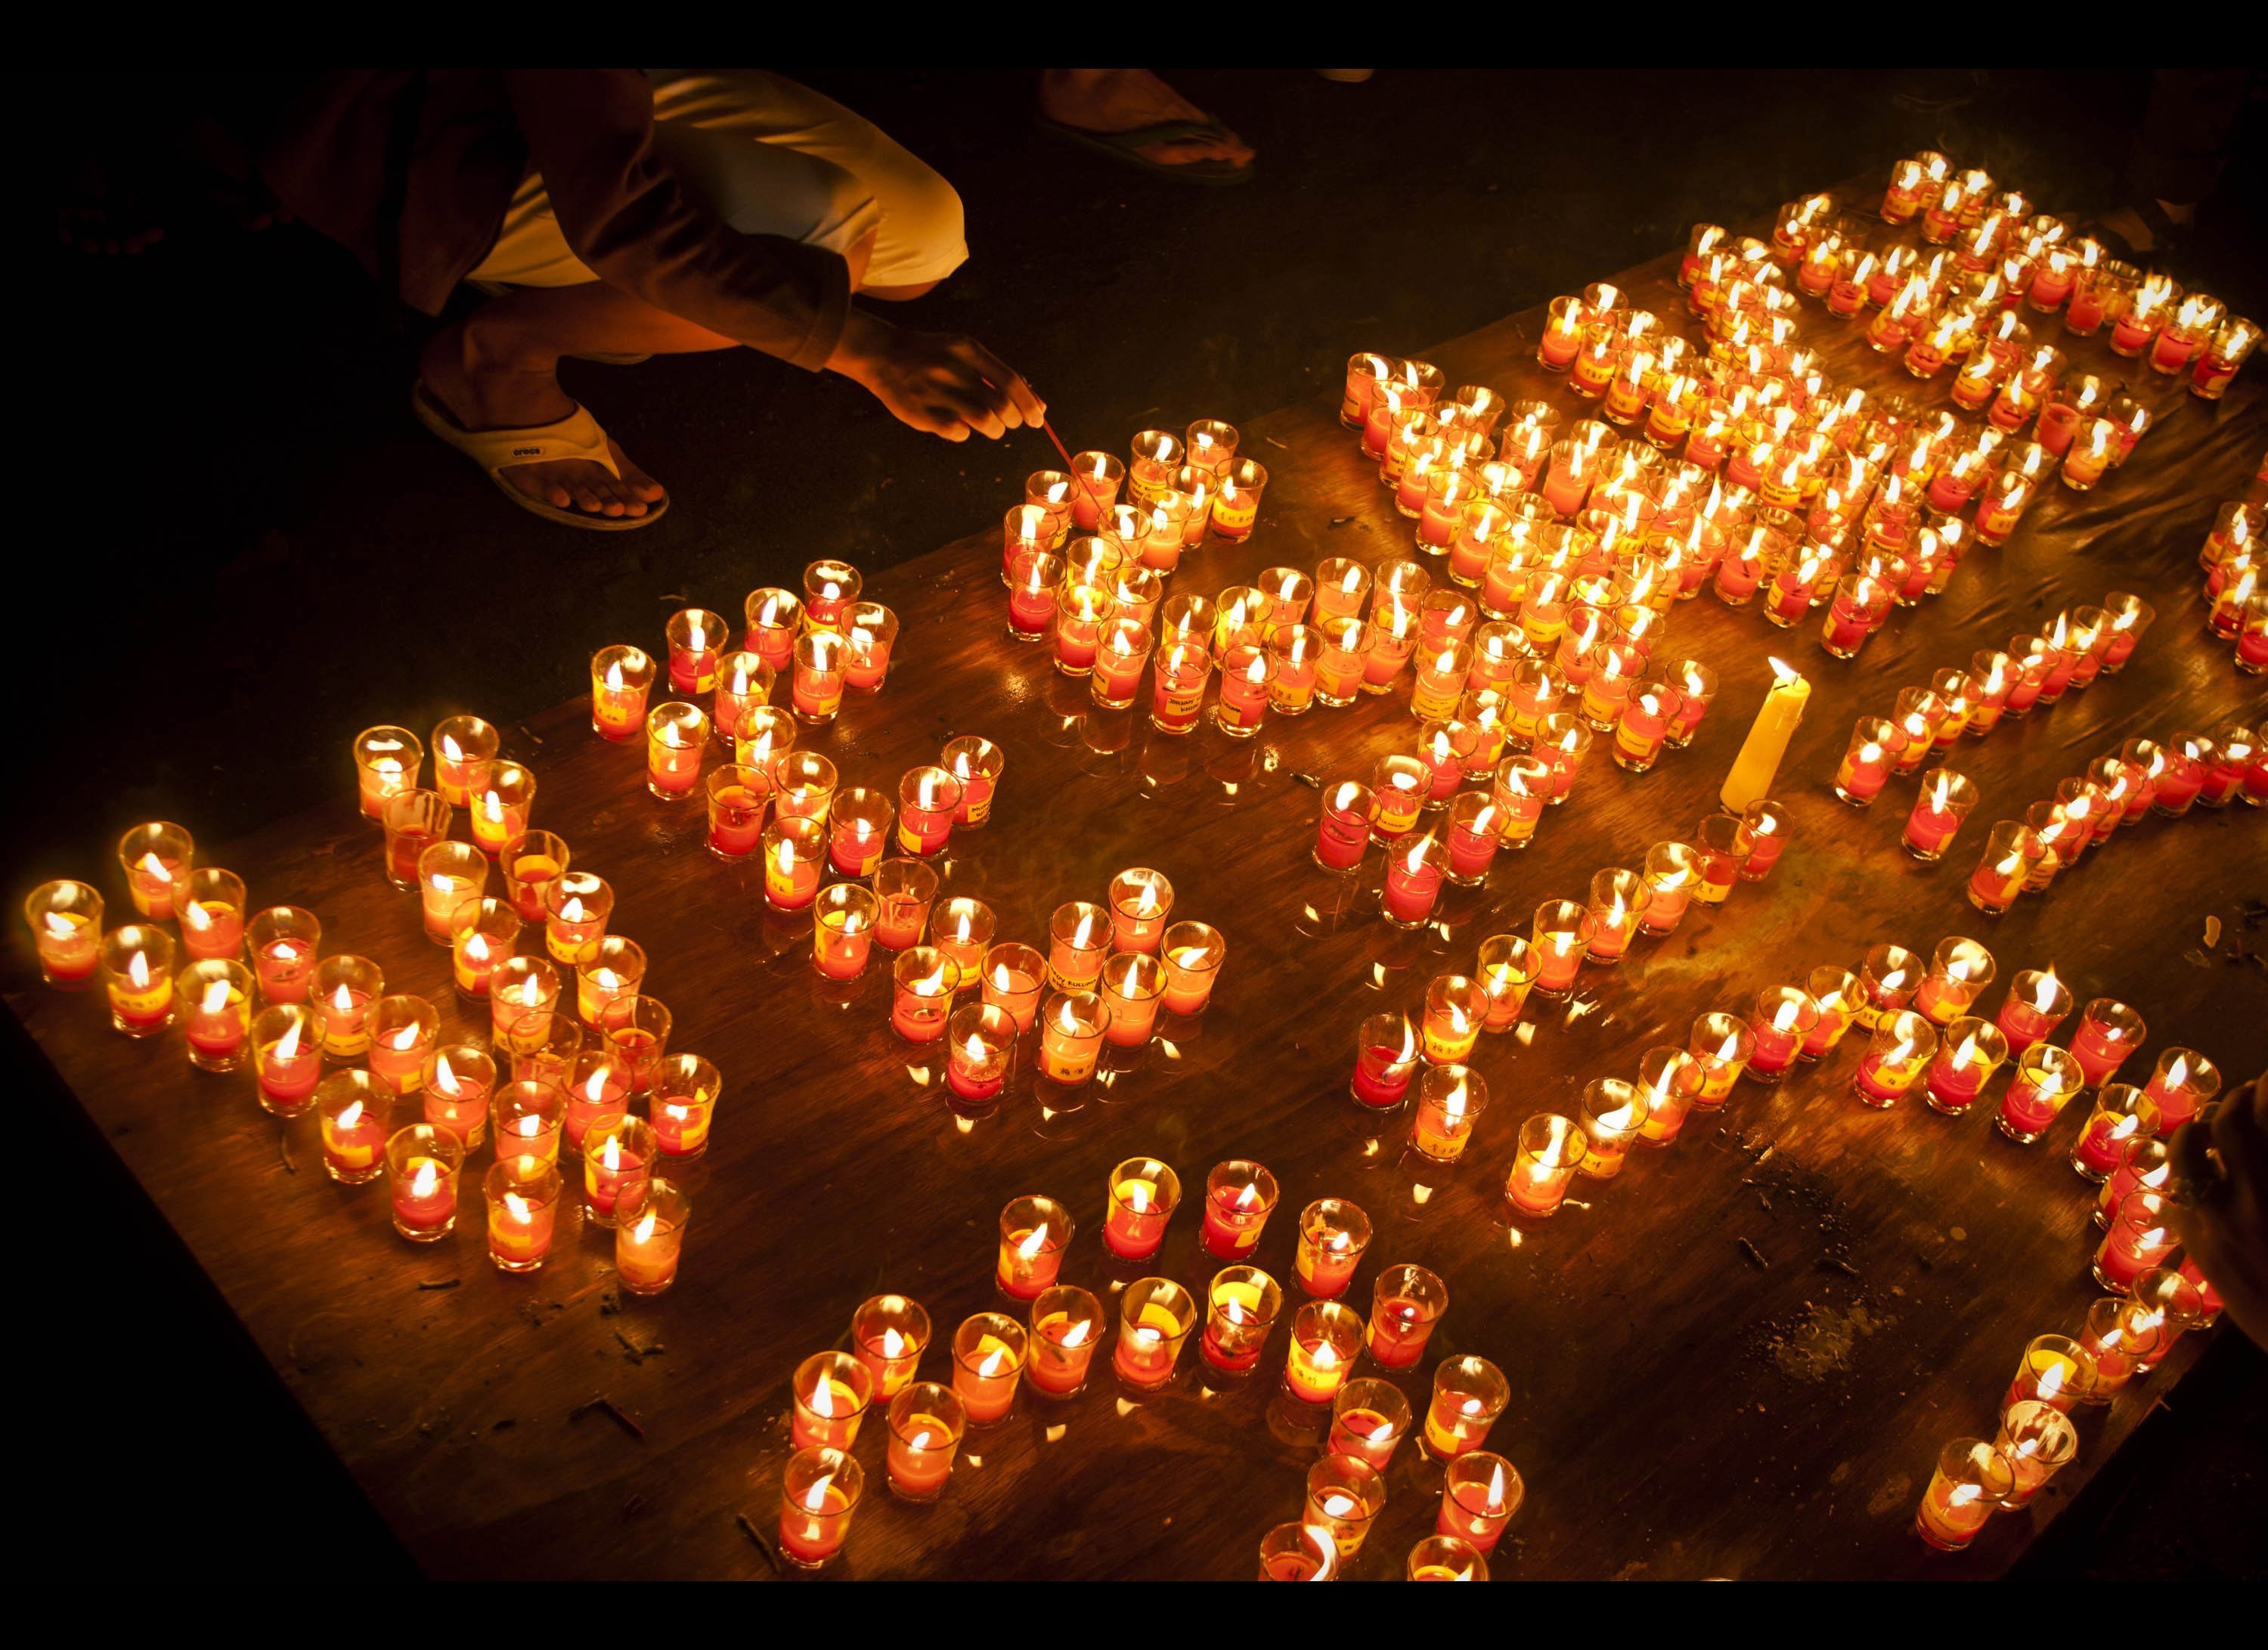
{"points": [[1677, 1412]]}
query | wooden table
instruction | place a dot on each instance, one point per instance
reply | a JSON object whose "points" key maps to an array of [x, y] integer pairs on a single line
{"points": [[1679, 1410]]}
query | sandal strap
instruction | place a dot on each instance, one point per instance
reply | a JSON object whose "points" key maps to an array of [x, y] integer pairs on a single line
{"points": [[577, 436]]}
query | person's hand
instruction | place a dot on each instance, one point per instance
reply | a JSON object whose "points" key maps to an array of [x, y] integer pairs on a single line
{"points": [[2222, 1217], [936, 381]]}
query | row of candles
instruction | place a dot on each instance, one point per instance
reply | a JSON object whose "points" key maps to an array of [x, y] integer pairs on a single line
{"points": [[993, 1354], [2041, 257], [335, 1011], [2237, 605], [2122, 1338]]}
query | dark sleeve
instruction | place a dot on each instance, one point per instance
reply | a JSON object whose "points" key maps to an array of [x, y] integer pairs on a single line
{"points": [[590, 134]]}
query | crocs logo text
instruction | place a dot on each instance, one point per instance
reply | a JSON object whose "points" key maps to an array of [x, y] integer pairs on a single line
{"points": [[526, 453]]}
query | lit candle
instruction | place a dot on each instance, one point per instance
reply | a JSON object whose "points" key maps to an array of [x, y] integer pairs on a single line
{"points": [[1241, 1303], [218, 998], [1033, 1233], [1971, 1050], [2183, 1084], [351, 1109], [1066, 1328], [618, 1156], [522, 1193], [456, 1082], [843, 932], [832, 1392], [1368, 1419], [1325, 1337], [66, 922], [386, 762], [598, 1094], [1240, 1194], [887, 1335], [1468, 1394], [926, 1421], [980, 1042], [1191, 953], [287, 1057], [1450, 1100], [1386, 1056], [1902, 1045], [817, 1496], [2140, 1237], [1721, 1044], [1479, 1494], [1406, 1302], [1970, 1480], [1756, 766], [794, 850], [1563, 933], [1155, 1316], [421, 1165], [921, 996]]}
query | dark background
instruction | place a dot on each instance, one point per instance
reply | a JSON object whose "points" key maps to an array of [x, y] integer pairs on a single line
{"points": [[251, 551]]}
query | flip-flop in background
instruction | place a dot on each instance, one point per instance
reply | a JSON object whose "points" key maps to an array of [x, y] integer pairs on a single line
{"points": [[1121, 146], [577, 436]]}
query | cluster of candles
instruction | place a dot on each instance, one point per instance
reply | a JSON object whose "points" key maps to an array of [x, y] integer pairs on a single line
{"points": [[1491, 664], [1109, 972], [329, 1039], [2122, 1338], [1051, 1347], [826, 641], [2236, 602], [2002, 251]]}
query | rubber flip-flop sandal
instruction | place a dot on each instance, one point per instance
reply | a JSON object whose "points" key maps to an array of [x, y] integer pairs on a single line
{"points": [[1121, 146], [577, 436]]}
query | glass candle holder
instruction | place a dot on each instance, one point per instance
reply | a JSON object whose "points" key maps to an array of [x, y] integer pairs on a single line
{"points": [[1901, 1049], [832, 1392], [980, 1046], [744, 685], [1155, 1316], [1506, 973], [795, 850], [637, 1028], [1971, 1482], [820, 659], [1562, 936], [483, 933], [457, 1081], [216, 998], [922, 982], [1241, 1303], [871, 631], [1326, 1336], [387, 761], [1191, 953], [522, 1193], [818, 1493], [448, 874], [903, 892], [1455, 1008], [1839, 997], [522, 995], [888, 1333], [1468, 1394], [1142, 1193], [598, 1094], [1970, 1052], [2139, 1236], [2108, 1031], [614, 968], [676, 734], [352, 1109], [2177, 1303], [66, 922], [1140, 901], [2183, 1084], [1293, 1552], [1450, 1100], [414, 821], [2143, 1166], [1784, 1018], [462, 745], [155, 860], [842, 929], [1386, 1057], [1550, 1150], [830, 588], [528, 863], [1132, 985], [1612, 1114], [2046, 1078], [528, 1118], [1946, 800], [1619, 899], [2004, 868], [1479, 1494], [422, 1167], [682, 1101], [1721, 1044], [1240, 1196], [344, 991], [621, 678], [1345, 1495], [2122, 1113], [2051, 1371], [287, 1057], [929, 798], [1671, 874], [1121, 652], [1723, 843], [1959, 971], [1406, 1302], [618, 1154], [1067, 1326], [402, 1029], [652, 1216], [976, 763], [926, 1422], [1034, 1231], [738, 795], [697, 639], [2036, 1003], [1887, 980], [1013, 977], [210, 903], [1668, 1083], [1369, 1417], [1333, 1234], [2034, 1441]]}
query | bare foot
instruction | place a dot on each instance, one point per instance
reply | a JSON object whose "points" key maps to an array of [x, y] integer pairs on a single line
{"points": [[482, 393], [1121, 100]]}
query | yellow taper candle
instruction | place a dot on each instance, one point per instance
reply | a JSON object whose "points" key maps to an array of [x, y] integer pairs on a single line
{"points": [[1754, 768]]}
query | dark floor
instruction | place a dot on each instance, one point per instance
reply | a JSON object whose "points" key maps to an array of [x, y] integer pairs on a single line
{"points": [[262, 554]]}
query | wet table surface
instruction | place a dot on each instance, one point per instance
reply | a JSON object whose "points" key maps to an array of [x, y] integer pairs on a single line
{"points": [[1737, 1360]]}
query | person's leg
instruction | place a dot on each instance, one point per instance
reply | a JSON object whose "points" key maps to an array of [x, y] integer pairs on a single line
{"points": [[1125, 99], [807, 167], [497, 369]]}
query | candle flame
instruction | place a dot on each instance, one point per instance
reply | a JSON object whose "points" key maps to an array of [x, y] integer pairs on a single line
{"points": [[216, 997], [426, 1179], [1077, 1334], [194, 915], [287, 1046], [451, 749], [643, 1232], [1138, 1196], [1034, 1241], [993, 1360], [1730, 1049], [1785, 1015], [445, 1076], [138, 971], [350, 1114], [154, 867], [814, 1498], [610, 1154], [2177, 1069], [1787, 673], [1966, 1054], [518, 1207], [614, 675], [1963, 1494]]}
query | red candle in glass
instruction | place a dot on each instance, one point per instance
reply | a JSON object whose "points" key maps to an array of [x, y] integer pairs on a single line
{"points": [[1349, 811], [1413, 883], [1239, 1195], [2108, 1032], [1385, 1054], [928, 799], [2036, 1005], [1406, 1304]]}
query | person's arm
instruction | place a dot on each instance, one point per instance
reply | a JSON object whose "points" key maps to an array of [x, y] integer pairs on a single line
{"points": [[590, 134], [2222, 1216]]}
